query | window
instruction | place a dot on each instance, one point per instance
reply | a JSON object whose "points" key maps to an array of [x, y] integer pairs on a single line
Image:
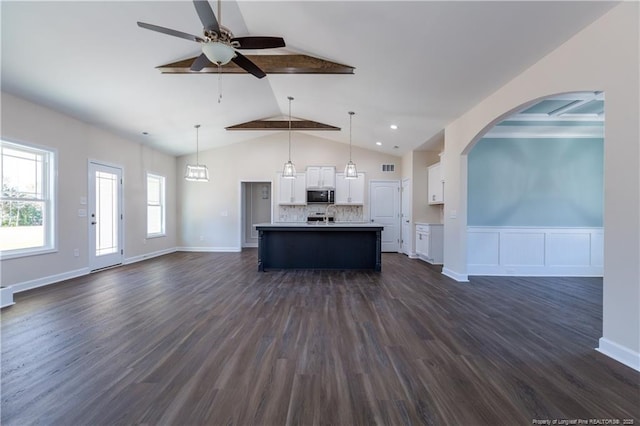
{"points": [[155, 205], [27, 207]]}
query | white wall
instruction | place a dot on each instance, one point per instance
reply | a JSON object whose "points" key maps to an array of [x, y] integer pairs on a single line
{"points": [[211, 210], [603, 56], [77, 142]]}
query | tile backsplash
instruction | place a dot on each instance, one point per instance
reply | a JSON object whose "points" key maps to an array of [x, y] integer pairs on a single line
{"points": [[340, 213]]}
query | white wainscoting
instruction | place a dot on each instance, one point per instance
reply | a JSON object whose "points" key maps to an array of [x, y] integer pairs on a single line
{"points": [[530, 251]]}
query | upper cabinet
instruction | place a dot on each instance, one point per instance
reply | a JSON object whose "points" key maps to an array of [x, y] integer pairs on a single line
{"points": [[321, 177], [436, 184], [292, 191], [349, 191]]}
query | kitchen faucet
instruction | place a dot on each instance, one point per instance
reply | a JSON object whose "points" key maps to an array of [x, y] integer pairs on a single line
{"points": [[326, 212]]}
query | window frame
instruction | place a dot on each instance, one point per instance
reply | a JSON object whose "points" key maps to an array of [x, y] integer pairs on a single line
{"points": [[49, 197], [162, 204]]}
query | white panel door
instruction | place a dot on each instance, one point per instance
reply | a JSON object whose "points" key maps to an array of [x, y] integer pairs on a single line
{"points": [[105, 216], [405, 214], [384, 197]]}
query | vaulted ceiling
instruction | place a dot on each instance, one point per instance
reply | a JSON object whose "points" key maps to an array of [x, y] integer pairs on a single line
{"points": [[418, 64]]}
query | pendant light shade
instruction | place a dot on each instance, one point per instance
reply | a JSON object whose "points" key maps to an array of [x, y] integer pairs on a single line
{"points": [[197, 172], [289, 170], [350, 171]]}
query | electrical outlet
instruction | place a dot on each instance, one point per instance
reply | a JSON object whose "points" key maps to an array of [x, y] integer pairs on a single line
{"points": [[201, 237], [76, 253]]}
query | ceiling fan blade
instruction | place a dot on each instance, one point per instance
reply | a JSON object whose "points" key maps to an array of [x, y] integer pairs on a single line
{"points": [[206, 15], [244, 63], [200, 62], [258, 42], [170, 32]]}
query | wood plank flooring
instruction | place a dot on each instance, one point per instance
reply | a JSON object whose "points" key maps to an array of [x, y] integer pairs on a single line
{"points": [[205, 339]]}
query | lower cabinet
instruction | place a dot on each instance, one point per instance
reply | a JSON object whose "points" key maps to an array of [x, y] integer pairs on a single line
{"points": [[430, 242]]}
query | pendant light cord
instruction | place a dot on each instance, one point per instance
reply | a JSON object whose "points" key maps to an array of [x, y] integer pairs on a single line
{"points": [[350, 127], [197, 126], [290, 99]]}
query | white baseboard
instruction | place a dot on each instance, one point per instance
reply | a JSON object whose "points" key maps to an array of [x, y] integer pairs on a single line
{"points": [[51, 279], [211, 249], [620, 353], [463, 278], [6, 297], [146, 256]]}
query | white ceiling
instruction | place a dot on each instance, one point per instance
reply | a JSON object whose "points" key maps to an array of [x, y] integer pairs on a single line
{"points": [[417, 64]]}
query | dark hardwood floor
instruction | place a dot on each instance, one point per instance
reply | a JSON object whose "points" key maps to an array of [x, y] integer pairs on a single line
{"points": [[203, 338]]}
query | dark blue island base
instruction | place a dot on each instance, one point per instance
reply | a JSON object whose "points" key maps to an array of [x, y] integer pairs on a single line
{"points": [[332, 246]]}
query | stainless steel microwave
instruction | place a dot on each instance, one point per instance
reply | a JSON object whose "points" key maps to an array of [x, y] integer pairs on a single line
{"points": [[326, 196]]}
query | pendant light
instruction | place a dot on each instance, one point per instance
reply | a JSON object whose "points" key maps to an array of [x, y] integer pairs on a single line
{"points": [[350, 171], [289, 171], [197, 172]]}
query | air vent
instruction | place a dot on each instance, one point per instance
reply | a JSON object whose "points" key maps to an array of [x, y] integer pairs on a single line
{"points": [[388, 167]]}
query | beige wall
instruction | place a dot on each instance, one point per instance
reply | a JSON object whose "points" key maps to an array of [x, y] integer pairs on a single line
{"points": [[209, 213], [77, 143], [422, 211], [604, 56]]}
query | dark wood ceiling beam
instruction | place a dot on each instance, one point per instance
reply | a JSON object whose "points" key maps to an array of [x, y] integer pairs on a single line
{"points": [[270, 64], [282, 125]]}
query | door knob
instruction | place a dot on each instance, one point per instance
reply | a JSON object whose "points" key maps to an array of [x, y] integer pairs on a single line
{"points": [[93, 223]]}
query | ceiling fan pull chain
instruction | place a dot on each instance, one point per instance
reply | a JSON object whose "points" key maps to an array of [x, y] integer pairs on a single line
{"points": [[219, 83]]}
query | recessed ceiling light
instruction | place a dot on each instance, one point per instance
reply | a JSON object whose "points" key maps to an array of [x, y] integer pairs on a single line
{"points": [[393, 127], [379, 143], [396, 147], [145, 133]]}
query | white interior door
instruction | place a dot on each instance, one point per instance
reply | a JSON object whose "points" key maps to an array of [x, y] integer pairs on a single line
{"points": [[105, 216], [406, 237], [384, 197]]}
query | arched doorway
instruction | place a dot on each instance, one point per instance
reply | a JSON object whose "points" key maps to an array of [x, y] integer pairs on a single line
{"points": [[535, 190]]}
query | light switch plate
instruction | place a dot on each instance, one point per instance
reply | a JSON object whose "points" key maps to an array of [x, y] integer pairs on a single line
{"points": [[82, 212]]}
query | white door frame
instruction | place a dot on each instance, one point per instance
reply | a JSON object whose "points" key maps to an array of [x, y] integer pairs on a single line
{"points": [[397, 209], [118, 257], [406, 224], [241, 202]]}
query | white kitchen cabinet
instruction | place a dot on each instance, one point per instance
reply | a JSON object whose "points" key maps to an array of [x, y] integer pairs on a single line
{"points": [[292, 191], [321, 177], [430, 242], [436, 184], [349, 191]]}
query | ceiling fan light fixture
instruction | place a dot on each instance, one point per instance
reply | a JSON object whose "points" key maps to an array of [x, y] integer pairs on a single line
{"points": [[350, 171], [197, 172], [218, 53]]}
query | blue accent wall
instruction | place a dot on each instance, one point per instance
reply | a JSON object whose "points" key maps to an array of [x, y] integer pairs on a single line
{"points": [[536, 182]]}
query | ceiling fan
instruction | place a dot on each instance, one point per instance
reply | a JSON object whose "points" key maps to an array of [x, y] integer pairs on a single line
{"points": [[218, 43]]}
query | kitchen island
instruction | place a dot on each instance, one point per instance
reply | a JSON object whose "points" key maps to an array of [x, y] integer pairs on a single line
{"points": [[319, 246]]}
